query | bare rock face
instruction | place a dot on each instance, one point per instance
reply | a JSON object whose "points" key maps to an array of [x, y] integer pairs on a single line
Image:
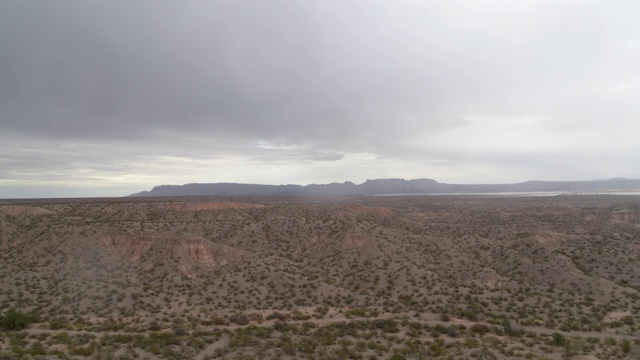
{"points": [[356, 241], [125, 245], [152, 249], [201, 251]]}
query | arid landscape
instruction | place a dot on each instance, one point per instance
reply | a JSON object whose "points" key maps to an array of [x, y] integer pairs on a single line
{"points": [[353, 277]]}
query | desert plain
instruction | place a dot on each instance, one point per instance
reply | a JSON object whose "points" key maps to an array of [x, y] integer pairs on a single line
{"points": [[353, 277]]}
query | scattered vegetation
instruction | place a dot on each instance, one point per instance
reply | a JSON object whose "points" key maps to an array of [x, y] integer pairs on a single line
{"points": [[361, 278], [14, 320]]}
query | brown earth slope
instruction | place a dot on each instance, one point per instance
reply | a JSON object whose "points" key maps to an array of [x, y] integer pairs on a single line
{"points": [[570, 263]]}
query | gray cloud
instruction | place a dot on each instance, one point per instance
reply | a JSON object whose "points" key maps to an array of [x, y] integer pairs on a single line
{"points": [[283, 69], [319, 80]]}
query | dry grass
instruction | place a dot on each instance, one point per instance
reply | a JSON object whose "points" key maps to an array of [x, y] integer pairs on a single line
{"points": [[525, 268]]}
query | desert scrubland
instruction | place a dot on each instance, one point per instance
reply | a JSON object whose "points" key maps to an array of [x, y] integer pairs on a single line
{"points": [[361, 277]]}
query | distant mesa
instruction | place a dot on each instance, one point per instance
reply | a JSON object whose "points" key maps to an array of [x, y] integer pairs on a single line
{"points": [[390, 187]]}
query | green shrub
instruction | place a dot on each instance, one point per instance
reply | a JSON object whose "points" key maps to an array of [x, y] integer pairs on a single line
{"points": [[83, 351], [239, 319], [627, 320], [388, 326], [57, 324], [298, 316], [479, 329], [559, 340], [14, 320], [37, 349], [278, 316], [361, 312]]}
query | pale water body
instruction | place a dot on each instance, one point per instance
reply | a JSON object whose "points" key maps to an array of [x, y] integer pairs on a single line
{"points": [[522, 194]]}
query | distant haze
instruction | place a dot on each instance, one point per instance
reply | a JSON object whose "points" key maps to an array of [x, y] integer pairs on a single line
{"points": [[108, 98], [396, 187]]}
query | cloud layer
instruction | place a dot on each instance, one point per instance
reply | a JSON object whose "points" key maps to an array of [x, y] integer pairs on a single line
{"points": [[113, 96]]}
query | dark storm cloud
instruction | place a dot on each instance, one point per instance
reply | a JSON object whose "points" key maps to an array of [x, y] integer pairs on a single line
{"points": [[297, 70], [460, 83]]}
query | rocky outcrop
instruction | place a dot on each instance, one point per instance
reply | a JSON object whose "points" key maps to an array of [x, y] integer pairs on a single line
{"points": [[125, 245]]}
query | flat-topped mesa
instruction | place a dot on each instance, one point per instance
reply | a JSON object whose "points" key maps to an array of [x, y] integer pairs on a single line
{"points": [[400, 186], [388, 186], [377, 186]]}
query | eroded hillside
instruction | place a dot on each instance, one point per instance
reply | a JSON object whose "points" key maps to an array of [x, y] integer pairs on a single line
{"points": [[564, 263]]}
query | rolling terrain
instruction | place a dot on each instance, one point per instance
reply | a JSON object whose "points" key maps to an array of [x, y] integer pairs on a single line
{"points": [[323, 277]]}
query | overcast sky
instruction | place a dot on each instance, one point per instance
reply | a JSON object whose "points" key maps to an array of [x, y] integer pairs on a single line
{"points": [[107, 98]]}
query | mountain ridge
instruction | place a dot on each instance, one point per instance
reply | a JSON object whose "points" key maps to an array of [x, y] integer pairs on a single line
{"points": [[388, 187]]}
